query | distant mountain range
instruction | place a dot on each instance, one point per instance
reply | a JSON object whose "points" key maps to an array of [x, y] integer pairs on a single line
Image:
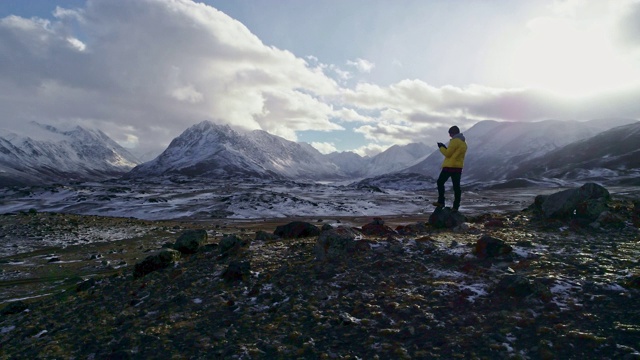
{"points": [[210, 150], [612, 156], [549, 152], [45, 154], [497, 149]]}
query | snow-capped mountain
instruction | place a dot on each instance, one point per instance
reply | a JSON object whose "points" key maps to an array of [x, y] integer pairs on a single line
{"points": [[613, 155], [498, 152], [496, 149], [45, 154], [218, 151], [395, 158], [211, 150], [350, 163]]}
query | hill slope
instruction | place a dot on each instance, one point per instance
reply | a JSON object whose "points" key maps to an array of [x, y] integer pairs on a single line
{"points": [[496, 149], [611, 156]]}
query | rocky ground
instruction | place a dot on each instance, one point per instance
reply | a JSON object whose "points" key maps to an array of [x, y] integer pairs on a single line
{"points": [[510, 285]]}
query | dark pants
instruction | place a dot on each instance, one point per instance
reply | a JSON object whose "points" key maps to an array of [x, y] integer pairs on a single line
{"points": [[455, 179]]}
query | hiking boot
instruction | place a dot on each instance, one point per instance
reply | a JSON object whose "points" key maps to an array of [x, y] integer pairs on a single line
{"points": [[437, 204]]}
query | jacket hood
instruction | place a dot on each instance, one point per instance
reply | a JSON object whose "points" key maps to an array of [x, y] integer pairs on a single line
{"points": [[459, 136]]}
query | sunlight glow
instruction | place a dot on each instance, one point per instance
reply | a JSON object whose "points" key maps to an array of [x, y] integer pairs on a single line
{"points": [[565, 58]]}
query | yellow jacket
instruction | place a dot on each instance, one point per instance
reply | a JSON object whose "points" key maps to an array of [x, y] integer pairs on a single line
{"points": [[455, 152]]}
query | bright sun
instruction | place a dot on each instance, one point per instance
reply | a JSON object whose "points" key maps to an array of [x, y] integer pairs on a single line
{"points": [[559, 57]]}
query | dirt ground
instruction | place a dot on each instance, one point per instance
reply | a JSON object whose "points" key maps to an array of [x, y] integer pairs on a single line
{"points": [[563, 291]]}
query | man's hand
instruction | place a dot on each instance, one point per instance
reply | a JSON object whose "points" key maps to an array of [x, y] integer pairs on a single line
{"points": [[442, 145]]}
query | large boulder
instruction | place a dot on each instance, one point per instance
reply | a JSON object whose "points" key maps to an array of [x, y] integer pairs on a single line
{"points": [[609, 220], [231, 244], [237, 271], [586, 202], [335, 243], [444, 217], [190, 240], [377, 228], [490, 247], [635, 216], [155, 262], [297, 229]]}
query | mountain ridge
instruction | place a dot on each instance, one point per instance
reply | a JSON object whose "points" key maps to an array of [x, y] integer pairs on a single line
{"points": [[496, 149], [611, 154], [499, 152], [208, 149], [47, 154]]}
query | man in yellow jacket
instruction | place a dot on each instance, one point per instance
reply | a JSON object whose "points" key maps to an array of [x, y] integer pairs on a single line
{"points": [[452, 166]]}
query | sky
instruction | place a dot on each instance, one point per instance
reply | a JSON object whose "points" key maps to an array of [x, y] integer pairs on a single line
{"points": [[342, 75]]}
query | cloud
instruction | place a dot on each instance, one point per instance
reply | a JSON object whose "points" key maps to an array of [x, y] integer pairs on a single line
{"points": [[301, 111], [628, 26], [385, 133], [156, 67], [411, 101], [364, 66], [370, 149], [351, 115], [413, 111], [143, 71], [324, 147], [187, 94], [130, 140], [580, 48]]}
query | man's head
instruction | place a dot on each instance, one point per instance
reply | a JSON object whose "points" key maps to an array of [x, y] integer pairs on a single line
{"points": [[454, 130]]}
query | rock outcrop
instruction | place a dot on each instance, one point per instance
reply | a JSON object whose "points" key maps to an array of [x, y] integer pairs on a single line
{"points": [[446, 218], [586, 202], [297, 229], [377, 228]]}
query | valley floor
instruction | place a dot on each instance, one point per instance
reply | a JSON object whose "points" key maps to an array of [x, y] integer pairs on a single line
{"points": [[562, 292], [224, 199]]}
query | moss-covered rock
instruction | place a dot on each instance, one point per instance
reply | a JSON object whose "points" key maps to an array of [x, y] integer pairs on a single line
{"points": [[190, 240], [155, 262]]}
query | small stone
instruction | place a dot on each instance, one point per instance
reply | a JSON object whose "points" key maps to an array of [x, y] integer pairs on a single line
{"points": [[262, 235]]}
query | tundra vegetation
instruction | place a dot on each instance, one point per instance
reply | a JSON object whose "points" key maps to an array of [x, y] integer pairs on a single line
{"points": [[557, 279]]}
